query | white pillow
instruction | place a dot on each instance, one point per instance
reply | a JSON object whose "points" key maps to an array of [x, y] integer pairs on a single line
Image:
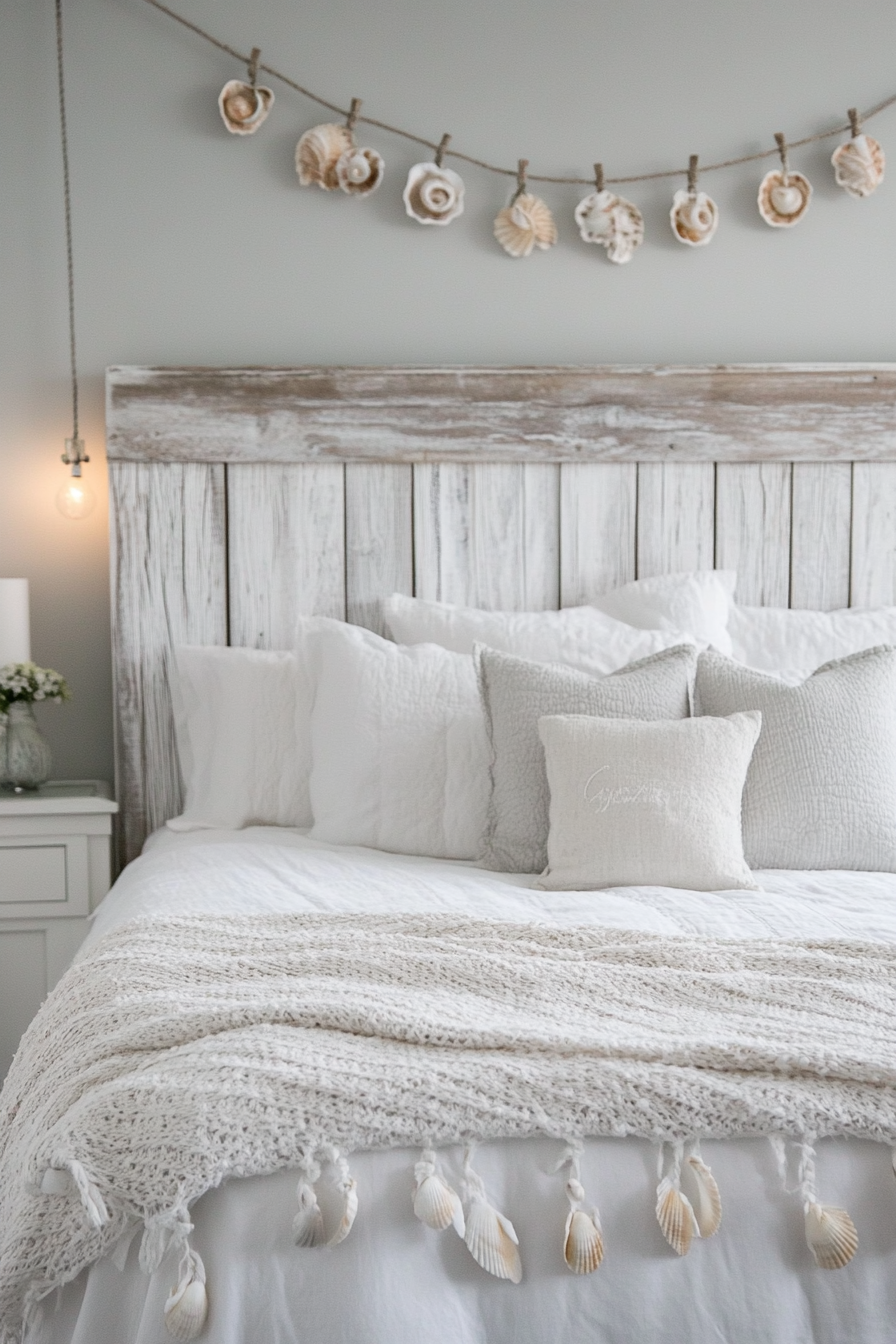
{"points": [[647, 804], [580, 637], [399, 749], [238, 714], [790, 641], [697, 603]]}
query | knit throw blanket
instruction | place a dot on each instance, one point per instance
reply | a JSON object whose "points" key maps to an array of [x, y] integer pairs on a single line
{"points": [[178, 1052]]}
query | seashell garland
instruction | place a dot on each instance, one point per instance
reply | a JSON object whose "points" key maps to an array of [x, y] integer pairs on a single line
{"points": [[318, 153], [186, 1308], [702, 1193], [831, 1235], [435, 1203], [583, 1245], [359, 171], [244, 106], [525, 223], [433, 194], [694, 216], [859, 162], [783, 196], [612, 221]]}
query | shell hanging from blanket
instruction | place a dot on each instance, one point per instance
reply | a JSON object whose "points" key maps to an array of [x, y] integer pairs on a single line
{"points": [[702, 1193], [349, 1190], [492, 1241], [583, 1246], [435, 1203], [675, 1216], [308, 1224], [831, 1235], [187, 1306]]}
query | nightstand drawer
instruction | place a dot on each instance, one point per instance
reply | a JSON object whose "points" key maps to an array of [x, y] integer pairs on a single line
{"points": [[43, 876]]}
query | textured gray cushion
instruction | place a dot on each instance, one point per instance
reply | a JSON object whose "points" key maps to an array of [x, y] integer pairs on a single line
{"points": [[821, 788], [516, 693]]}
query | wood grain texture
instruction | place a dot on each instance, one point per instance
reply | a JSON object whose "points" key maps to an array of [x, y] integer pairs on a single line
{"points": [[598, 503], [379, 539], [676, 517], [488, 535], [737, 413], [286, 527], [168, 587], [753, 530], [873, 568], [820, 544]]}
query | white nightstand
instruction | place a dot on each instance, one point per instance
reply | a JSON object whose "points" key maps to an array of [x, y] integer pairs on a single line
{"points": [[55, 867]]}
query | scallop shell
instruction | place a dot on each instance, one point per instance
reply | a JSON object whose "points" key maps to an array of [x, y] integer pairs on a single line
{"points": [[694, 216], [612, 221], [318, 153], [675, 1217], [349, 1213], [859, 165], [433, 195], [308, 1224], [244, 107], [492, 1242], [524, 224], [702, 1194], [831, 1235], [359, 171], [437, 1205], [187, 1306], [583, 1246], [784, 198]]}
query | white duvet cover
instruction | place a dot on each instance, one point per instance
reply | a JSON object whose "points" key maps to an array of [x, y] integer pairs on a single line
{"points": [[396, 1282]]}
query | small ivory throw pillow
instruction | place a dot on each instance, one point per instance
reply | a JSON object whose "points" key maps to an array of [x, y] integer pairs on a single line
{"points": [[647, 804], [821, 788], [697, 603], [515, 695], [788, 641]]}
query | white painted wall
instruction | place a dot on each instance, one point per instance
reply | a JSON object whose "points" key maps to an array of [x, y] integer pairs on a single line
{"points": [[193, 246]]}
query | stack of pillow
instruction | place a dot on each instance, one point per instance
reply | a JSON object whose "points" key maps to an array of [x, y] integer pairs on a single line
{"points": [[624, 742]]}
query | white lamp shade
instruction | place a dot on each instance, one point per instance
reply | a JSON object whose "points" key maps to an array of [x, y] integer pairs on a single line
{"points": [[15, 622]]}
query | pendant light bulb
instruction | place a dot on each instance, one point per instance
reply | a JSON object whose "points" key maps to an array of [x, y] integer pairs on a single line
{"points": [[75, 499]]}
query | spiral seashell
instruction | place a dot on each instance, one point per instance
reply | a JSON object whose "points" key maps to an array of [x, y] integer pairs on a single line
{"points": [[349, 1213], [492, 1241], [308, 1224], [831, 1235], [435, 1203], [244, 107], [784, 198], [675, 1217], [859, 166], [318, 153], [583, 1245], [186, 1308], [613, 222], [525, 224], [702, 1194], [359, 171], [433, 195], [694, 216]]}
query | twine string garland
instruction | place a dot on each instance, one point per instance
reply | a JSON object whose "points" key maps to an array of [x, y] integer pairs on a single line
{"points": [[855, 118]]}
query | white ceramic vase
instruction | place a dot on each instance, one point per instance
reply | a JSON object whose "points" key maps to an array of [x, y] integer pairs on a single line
{"points": [[26, 762]]}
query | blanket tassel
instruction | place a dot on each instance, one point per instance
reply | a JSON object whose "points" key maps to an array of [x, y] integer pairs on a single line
{"points": [[830, 1232], [187, 1306], [308, 1225], [489, 1236], [59, 1181], [583, 1243], [435, 1203]]}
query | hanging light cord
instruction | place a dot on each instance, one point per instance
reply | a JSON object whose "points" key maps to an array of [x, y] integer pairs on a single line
{"points": [[68, 228], [491, 167]]}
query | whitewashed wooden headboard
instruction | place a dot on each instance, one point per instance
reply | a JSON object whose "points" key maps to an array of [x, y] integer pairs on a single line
{"points": [[244, 498]]}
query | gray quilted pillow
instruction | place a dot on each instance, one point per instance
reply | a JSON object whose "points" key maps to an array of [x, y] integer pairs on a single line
{"points": [[821, 787], [516, 693]]}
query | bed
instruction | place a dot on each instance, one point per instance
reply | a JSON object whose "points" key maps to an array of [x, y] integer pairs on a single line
{"points": [[244, 500]]}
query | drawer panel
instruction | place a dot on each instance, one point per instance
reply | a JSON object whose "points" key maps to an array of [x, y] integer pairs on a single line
{"points": [[32, 873]]}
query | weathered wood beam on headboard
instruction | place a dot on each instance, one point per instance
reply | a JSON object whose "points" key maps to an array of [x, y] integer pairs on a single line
{"points": [[723, 413]]}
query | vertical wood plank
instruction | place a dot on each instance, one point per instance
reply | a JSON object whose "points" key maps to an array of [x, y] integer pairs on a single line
{"points": [[286, 529], [822, 518], [873, 570], [598, 503], [379, 541], [753, 530], [487, 535], [676, 517], [168, 587]]}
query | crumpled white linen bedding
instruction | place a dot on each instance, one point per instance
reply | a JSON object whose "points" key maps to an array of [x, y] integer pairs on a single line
{"points": [[396, 1282]]}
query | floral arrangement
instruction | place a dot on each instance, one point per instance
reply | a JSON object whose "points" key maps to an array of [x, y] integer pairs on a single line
{"points": [[27, 682]]}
